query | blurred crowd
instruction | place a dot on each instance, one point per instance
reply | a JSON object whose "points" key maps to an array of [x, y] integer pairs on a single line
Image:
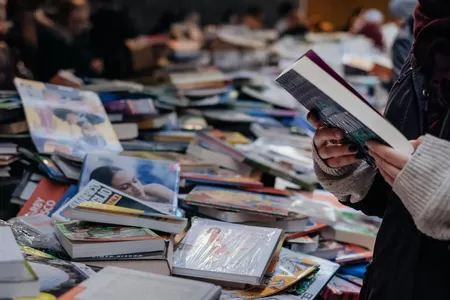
{"points": [[41, 37]]}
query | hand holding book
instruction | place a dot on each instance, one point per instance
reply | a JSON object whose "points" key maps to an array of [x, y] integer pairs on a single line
{"points": [[389, 161], [328, 142]]}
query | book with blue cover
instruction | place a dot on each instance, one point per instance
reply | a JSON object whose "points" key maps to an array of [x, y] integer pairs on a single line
{"points": [[153, 181]]}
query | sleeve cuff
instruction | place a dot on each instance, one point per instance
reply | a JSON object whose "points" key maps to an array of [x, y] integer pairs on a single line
{"points": [[335, 172], [424, 187]]}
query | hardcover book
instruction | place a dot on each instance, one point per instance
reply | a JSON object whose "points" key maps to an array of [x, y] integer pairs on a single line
{"points": [[225, 252], [66, 119], [318, 88], [147, 180]]}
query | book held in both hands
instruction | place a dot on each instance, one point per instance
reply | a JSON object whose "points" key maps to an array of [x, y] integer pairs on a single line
{"points": [[219, 251], [320, 89], [150, 181]]}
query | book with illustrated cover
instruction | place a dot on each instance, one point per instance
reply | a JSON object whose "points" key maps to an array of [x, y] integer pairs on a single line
{"points": [[152, 181], [110, 214], [56, 276], [44, 198], [187, 163], [66, 119], [320, 89], [291, 268], [225, 252], [352, 254], [97, 192], [84, 239], [240, 201], [314, 287], [117, 283], [220, 177]]}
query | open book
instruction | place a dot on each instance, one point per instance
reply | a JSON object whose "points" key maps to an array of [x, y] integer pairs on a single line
{"points": [[317, 87]]}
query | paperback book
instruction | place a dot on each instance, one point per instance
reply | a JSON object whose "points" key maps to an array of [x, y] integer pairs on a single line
{"points": [[44, 198], [225, 252], [66, 119], [147, 180], [103, 194], [320, 89], [241, 201]]}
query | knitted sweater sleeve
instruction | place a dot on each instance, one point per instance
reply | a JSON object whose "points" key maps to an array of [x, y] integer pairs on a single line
{"points": [[359, 186], [424, 187]]}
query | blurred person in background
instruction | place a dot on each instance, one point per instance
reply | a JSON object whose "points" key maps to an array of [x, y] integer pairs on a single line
{"points": [[230, 17], [284, 11], [353, 16], [254, 17], [369, 24], [111, 28], [403, 42], [64, 41], [410, 192], [296, 25], [189, 28]]}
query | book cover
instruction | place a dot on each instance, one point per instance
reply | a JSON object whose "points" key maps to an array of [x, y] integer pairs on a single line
{"points": [[217, 247], [66, 119], [241, 201], [291, 268], [94, 232], [131, 107], [340, 289], [220, 177], [44, 198], [353, 279], [102, 194], [352, 254], [147, 180], [70, 192], [318, 88], [188, 163], [56, 276]]}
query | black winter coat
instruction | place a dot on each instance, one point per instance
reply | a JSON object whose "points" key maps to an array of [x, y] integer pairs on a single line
{"points": [[407, 264]]}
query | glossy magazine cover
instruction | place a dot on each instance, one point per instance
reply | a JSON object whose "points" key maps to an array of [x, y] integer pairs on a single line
{"points": [[146, 180], [217, 247], [66, 120]]}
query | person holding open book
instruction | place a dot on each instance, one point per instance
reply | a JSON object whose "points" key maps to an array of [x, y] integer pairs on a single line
{"points": [[411, 193]]}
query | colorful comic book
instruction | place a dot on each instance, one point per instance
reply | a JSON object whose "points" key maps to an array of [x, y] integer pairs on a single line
{"points": [[239, 201], [225, 252], [66, 120], [152, 181]]}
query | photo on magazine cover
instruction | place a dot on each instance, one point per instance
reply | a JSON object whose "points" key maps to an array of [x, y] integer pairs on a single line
{"points": [[146, 180], [66, 120]]}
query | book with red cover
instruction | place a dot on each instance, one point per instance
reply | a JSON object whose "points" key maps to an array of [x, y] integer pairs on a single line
{"points": [[353, 254], [340, 289], [44, 198]]}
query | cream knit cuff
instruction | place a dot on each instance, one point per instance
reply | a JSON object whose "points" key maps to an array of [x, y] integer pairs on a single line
{"points": [[424, 187]]}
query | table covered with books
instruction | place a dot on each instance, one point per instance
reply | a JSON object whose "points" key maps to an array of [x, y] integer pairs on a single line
{"points": [[199, 188]]}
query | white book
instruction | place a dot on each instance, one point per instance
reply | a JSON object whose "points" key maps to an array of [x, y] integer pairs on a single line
{"points": [[23, 285], [214, 250], [11, 259], [317, 87], [114, 283], [126, 131]]}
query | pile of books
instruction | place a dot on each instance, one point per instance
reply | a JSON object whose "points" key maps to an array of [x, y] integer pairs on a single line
{"points": [[204, 185]]}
